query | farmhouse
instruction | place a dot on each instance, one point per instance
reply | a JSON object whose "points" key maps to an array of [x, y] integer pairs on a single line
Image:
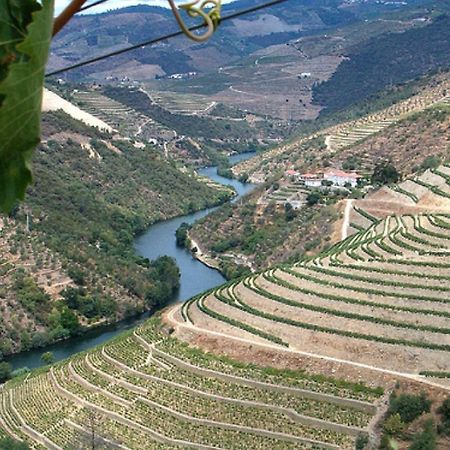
{"points": [[312, 179], [335, 176], [341, 178]]}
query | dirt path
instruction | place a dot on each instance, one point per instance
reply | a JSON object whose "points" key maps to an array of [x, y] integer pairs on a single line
{"points": [[345, 225]]}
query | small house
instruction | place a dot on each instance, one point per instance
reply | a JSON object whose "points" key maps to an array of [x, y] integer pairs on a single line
{"points": [[341, 178], [312, 179]]}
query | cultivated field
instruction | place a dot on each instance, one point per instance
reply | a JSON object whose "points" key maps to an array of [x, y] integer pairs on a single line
{"points": [[331, 142], [147, 390], [126, 120]]}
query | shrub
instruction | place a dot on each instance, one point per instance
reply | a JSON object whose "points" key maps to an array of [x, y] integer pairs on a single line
{"points": [[394, 424], [409, 407], [313, 198], [385, 173], [361, 441], [5, 371], [426, 440], [10, 444], [444, 411]]}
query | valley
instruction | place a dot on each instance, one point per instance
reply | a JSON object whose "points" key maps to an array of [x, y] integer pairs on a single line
{"points": [[236, 244]]}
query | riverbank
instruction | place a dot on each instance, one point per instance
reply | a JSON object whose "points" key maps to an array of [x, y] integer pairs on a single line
{"points": [[158, 240], [204, 258]]}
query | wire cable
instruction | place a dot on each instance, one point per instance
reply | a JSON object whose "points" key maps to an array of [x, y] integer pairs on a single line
{"points": [[225, 18], [91, 5]]}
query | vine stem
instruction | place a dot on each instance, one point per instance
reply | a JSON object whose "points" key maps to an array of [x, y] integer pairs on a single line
{"points": [[71, 9]]}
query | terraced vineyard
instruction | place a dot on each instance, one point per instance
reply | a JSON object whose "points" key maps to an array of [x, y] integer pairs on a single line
{"points": [[294, 193], [179, 103], [147, 390], [336, 138], [425, 193], [349, 134], [378, 298], [124, 119]]}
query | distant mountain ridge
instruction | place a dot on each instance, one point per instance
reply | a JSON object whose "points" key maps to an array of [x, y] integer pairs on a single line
{"points": [[90, 35]]}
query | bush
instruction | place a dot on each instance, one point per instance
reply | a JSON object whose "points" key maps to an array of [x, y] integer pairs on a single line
{"points": [[394, 425], [426, 440], [361, 441], [409, 407], [313, 198], [11, 444], [430, 162], [385, 173], [48, 358], [444, 411], [5, 372]]}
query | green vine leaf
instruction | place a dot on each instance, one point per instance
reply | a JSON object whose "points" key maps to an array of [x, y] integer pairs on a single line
{"points": [[25, 36]]}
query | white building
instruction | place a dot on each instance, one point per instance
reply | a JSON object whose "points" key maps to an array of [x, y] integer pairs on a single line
{"points": [[335, 177], [341, 178], [311, 179]]}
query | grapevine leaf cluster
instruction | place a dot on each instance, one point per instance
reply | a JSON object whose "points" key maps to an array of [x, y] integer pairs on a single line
{"points": [[25, 36]]}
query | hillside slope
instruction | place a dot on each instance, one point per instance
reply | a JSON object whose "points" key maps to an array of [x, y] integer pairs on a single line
{"points": [[386, 60], [66, 255], [359, 311], [234, 40], [359, 301]]}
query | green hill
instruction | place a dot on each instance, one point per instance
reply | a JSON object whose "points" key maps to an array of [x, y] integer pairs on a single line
{"points": [[75, 266], [386, 60]]}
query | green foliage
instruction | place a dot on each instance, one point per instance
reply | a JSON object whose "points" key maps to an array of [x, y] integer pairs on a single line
{"points": [[182, 234], [409, 406], [165, 278], [48, 357], [394, 424], [26, 30], [430, 162], [444, 411], [5, 371], [289, 212], [385, 173], [313, 198], [225, 171], [425, 440], [80, 300], [11, 444], [361, 441]]}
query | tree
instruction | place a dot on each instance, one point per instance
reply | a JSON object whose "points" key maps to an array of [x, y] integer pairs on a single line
{"points": [[5, 371], [48, 357], [409, 407], [394, 424], [444, 411], [289, 212], [361, 441], [313, 198], [385, 173]]}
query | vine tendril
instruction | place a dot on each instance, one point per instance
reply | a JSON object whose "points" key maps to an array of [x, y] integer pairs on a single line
{"points": [[194, 9]]}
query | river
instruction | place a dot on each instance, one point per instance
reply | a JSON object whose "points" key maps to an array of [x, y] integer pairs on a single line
{"points": [[157, 241]]}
